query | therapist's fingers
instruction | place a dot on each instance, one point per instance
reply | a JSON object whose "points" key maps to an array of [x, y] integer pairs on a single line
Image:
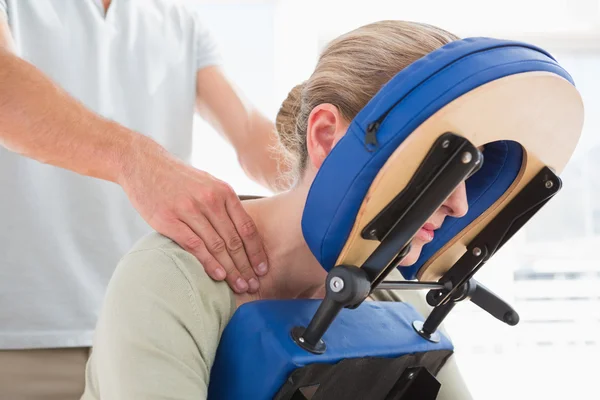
{"points": [[221, 250], [238, 242], [189, 241], [249, 234]]}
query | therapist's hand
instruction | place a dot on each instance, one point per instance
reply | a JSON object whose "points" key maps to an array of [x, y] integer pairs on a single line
{"points": [[199, 212], [203, 215]]}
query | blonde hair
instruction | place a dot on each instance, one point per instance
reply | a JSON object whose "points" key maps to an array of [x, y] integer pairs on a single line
{"points": [[349, 72]]}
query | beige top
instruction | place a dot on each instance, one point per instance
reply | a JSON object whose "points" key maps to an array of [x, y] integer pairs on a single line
{"points": [[161, 323], [159, 328]]}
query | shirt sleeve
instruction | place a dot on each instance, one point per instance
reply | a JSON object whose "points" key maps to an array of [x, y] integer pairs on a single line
{"points": [[206, 46], [156, 337], [3, 9]]}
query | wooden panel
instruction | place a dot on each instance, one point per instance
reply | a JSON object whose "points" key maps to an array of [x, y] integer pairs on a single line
{"points": [[540, 110]]}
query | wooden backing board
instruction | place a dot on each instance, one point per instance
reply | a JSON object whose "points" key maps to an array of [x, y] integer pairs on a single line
{"points": [[540, 110]]}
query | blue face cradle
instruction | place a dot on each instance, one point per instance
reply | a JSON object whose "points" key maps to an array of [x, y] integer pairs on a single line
{"points": [[403, 104]]}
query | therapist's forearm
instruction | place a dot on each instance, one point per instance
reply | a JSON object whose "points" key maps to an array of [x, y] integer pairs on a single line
{"points": [[41, 121], [258, 155], [251, 134]]}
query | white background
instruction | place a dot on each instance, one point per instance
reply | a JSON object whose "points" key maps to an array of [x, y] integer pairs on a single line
{"points": [[551, 271]]}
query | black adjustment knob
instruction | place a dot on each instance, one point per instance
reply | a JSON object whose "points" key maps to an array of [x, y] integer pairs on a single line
{"points": [[511, 318], [345, 286], [490, 302]]}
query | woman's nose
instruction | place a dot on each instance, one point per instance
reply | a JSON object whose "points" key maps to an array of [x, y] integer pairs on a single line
{"points": [[457, 204]]}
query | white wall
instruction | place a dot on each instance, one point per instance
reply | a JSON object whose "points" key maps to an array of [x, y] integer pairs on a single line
{"points": [[245, 33], [539, 19]]}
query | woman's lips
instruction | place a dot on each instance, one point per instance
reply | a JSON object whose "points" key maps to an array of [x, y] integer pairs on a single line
{"points": [[426, 232]]}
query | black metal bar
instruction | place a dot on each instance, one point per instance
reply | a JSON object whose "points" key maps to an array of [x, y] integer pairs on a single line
{"points": [[450, 161], [525, 205], [408, 285], [387, 269], [435, 319], [310, 338], [468, 264], [443, 156], [508, 221]]}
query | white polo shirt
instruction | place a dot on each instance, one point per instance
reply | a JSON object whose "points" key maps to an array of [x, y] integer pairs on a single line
{"points": [[61, 235]]}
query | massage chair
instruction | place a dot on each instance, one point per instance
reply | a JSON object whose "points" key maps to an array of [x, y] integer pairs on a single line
{"points": [[502, 115]]}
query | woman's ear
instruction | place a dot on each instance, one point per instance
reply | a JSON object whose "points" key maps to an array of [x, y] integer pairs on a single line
{"points": [[325, 128]]}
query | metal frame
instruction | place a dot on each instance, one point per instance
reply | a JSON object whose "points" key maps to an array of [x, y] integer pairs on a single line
{"points": [[451, 160]]}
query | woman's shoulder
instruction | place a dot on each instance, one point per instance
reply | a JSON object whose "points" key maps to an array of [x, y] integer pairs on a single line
{"points": [[154, 240], [162, 265], [160, 323], [166, 255]]}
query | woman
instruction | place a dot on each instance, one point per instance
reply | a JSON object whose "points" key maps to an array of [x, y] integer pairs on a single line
{"points": [[163, 316]]}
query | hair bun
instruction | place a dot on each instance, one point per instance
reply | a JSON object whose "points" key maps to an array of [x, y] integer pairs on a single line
{"points": [[287, 118]]}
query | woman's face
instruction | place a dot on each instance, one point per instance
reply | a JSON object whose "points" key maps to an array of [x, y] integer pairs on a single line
{"points": [[455, 206]]}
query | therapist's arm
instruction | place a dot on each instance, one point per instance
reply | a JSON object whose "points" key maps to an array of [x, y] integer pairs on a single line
{"points": [[251, 134], [202, 214]]}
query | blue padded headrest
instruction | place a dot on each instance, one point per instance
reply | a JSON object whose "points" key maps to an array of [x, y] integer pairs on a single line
{"points": [[411, 97]]}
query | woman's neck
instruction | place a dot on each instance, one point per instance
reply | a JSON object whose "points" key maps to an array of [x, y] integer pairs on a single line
{"points": [[293, 270]]}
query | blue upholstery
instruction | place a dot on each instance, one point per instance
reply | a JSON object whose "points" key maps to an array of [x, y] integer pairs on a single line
{"points": [[257, 354], [419, 91]]}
